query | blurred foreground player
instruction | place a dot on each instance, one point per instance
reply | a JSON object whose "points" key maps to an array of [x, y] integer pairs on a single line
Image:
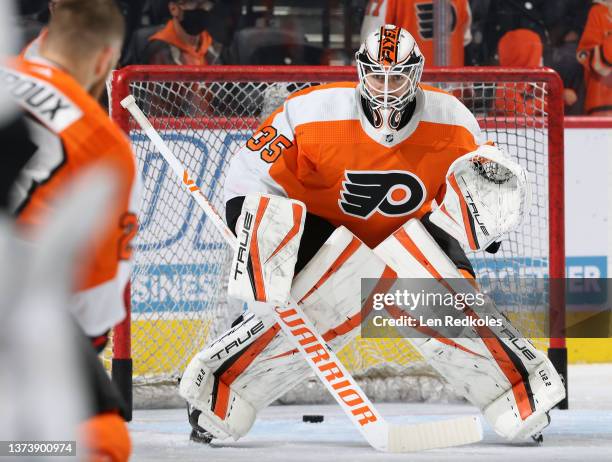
{"points": [[70, 132], [349, 181]]}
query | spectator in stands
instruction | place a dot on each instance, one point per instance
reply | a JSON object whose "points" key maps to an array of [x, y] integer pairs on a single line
{"points": [[561, 55], [595, 54], [502, 16], [185, 39], [523, 48], [519, 48], [417, 18]]}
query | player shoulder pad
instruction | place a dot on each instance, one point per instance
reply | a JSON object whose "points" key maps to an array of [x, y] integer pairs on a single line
{"points": [[441, 107], [322, 103]]}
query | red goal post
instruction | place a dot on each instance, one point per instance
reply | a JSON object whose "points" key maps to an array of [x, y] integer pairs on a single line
{"points": [[521, 109]]}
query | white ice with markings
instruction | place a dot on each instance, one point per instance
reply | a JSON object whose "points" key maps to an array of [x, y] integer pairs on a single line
{"points": [[583, 433]]}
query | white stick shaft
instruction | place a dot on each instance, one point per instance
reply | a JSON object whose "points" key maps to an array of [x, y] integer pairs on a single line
{"points": [[129, 103], [330, 371]]}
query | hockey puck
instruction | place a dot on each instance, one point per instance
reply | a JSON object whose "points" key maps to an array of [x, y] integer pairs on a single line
{"points": [[312, 418]]}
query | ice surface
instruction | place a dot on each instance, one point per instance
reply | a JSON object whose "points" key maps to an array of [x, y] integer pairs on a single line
{"points": [[584, 433]]}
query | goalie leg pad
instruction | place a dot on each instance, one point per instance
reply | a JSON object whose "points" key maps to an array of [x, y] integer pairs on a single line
{"points": [[269, 233], [266, 366], [513, 383], [206, 382]]}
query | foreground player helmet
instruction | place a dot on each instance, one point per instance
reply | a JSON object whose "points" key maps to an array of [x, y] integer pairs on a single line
{"points": [[389, 64]]}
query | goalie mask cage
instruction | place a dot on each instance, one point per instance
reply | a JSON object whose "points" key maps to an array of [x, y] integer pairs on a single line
{"points": [[205, 114]]}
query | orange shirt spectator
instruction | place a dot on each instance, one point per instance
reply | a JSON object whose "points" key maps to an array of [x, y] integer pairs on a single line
{"points": [[519, 48], [416, 16], [184, 40], [595, 54]]}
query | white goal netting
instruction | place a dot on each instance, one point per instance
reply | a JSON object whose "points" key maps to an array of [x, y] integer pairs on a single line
{"points": [[181, 261]]}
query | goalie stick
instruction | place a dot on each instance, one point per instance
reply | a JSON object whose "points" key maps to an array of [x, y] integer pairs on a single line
{"points": [[379, 433]]}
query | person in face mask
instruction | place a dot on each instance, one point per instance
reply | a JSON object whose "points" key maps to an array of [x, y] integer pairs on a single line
{"points": [[185, 39]]}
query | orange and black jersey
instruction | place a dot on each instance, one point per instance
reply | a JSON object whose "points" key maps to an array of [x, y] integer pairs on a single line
{"points": [[71, 132], [319, 148]]}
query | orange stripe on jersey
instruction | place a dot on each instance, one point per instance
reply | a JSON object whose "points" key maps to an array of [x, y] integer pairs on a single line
{"points": [[297, 221], [434, 89], [468, 222], [258, 279], [234, 369]]}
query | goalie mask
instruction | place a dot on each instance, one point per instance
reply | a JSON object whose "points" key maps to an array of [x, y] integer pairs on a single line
{"points": [[389, 64]]}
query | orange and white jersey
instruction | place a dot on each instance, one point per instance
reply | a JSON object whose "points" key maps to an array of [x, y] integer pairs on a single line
{"points": [[416, 16], [71, 132], [319, 148]]}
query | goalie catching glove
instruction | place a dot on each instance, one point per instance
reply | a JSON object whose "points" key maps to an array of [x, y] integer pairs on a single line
{"points": [[487, 195], [269, 232]]}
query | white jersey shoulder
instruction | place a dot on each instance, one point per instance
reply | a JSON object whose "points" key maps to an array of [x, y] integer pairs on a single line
{"points": [[443, 108], [323, 104]]}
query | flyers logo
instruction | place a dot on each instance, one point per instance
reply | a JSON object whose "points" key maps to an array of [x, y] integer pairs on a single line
{"points": [[391, 193], [425, 19]]}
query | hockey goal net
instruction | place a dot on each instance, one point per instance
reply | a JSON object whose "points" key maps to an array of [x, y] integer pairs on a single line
{"points": [[178, 300]]}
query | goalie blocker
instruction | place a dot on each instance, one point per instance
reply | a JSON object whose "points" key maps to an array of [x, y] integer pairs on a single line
{"points": [[269, 233]]}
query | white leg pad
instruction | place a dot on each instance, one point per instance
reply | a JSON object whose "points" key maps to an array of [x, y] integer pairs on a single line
{"points": [[513, 383], [253, 364], [224, 412]]}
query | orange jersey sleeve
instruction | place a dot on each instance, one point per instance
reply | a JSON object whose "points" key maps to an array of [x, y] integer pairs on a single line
{"points": [[73, 133], [327, 160], [417, 17]]}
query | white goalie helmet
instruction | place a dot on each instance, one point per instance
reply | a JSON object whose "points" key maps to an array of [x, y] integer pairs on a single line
{"points": [[389, 64]]}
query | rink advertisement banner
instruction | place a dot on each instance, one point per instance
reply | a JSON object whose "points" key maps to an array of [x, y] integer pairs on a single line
{"points": [[505, 307]]}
